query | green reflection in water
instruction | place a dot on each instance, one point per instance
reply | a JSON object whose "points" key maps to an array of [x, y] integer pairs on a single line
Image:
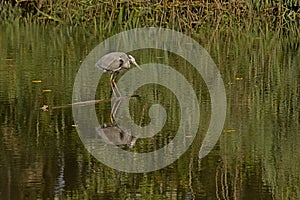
{"points": [[41, 155]]}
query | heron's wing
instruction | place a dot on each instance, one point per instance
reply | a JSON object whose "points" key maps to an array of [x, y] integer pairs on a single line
{"points": [[111, 62]]}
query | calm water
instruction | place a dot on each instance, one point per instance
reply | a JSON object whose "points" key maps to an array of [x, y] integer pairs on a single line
{"points": [[42, 156]]}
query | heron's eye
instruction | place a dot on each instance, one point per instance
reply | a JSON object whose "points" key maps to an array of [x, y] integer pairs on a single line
{"points": [[130, 57]]}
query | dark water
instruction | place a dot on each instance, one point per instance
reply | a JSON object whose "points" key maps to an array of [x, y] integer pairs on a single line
{"points": [[42, 156]]}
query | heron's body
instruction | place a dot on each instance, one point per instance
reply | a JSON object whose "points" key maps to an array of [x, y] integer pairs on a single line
{"points": [[113, 63]]}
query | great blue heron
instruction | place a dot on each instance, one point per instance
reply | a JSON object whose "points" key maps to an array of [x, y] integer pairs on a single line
{"points": [[113, 63], [113, 134]]}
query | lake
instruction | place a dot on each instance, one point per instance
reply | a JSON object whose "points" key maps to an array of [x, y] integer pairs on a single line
{"points": [[42, 155]]}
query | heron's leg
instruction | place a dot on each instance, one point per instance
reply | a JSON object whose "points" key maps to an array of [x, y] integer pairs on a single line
{"points": [[112, 83], [115, 85], [114, 109]]}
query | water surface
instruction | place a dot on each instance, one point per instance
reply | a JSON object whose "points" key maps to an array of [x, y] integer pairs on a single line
{"points": [[42, 157]]}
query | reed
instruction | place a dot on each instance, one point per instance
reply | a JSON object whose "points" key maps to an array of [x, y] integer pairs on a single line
{"points": [[9, 13], [186, 16]]}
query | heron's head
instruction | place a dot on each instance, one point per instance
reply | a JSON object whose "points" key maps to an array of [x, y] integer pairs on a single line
{"points": [[132, 60]]}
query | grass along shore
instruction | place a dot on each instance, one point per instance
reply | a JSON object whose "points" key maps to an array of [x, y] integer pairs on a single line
{"points": [[186, 16]]}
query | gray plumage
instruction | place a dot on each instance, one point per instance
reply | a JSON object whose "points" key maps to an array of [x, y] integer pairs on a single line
{"points": [[115, 61]]}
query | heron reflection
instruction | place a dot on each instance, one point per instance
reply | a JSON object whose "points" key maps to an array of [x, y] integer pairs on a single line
{"points": [[113, 133]]}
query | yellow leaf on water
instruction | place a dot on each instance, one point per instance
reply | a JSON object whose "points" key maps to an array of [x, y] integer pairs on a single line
{"points": [[238, 78], [47, 90], [36, 81], [229, 130]]}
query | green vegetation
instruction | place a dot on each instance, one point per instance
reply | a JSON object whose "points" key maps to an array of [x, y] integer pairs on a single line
{"points": [[187, 16]]}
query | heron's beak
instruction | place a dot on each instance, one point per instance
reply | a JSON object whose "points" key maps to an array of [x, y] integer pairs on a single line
{"points": [[137, 65]]}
